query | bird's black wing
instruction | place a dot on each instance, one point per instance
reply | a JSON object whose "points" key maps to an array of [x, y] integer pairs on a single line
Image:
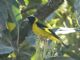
{"points": [[40, 25]]}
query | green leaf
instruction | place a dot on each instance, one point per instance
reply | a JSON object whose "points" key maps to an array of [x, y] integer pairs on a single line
{"points": [[10, 26], [26, 2], [44, 1], [5, 49], [16, 13]]}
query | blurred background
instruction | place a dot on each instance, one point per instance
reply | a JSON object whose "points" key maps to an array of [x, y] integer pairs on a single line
{"points": [[18, 42]]}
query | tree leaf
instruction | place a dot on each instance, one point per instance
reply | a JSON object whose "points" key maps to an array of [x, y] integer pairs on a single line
{"points": [[5, 49], [10, 26], [16, 13]]}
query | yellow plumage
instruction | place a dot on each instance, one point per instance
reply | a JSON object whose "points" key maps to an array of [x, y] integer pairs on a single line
{"points": [[43, 30], [44, 33]]}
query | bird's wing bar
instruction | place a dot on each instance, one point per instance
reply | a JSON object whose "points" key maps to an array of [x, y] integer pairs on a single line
{"points": [[40, 25]]}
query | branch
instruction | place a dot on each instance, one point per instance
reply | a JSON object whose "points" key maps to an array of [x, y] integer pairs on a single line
{"points": [[47, 9]]}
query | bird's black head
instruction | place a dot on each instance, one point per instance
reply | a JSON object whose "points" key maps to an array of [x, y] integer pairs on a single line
{"points": [[31, 19]]}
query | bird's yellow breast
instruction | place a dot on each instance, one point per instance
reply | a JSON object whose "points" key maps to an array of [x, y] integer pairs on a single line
{"points": [[39, 31], [46, 34]]}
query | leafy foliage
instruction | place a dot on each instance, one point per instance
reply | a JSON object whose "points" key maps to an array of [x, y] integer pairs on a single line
{"points": [[16, 37]]}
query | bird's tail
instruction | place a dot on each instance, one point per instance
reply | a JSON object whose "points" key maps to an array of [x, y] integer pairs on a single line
{"points": [[59, 41], [64, 44]]}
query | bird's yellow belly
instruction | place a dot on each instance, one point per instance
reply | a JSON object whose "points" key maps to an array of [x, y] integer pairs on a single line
{"points": [[44, 33], [39, 31]]}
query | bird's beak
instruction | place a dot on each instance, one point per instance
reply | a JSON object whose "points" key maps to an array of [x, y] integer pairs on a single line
{"points": [[26, 20]]}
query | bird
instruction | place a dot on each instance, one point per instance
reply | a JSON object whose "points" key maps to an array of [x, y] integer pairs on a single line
{"points": [[42, 30]]}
